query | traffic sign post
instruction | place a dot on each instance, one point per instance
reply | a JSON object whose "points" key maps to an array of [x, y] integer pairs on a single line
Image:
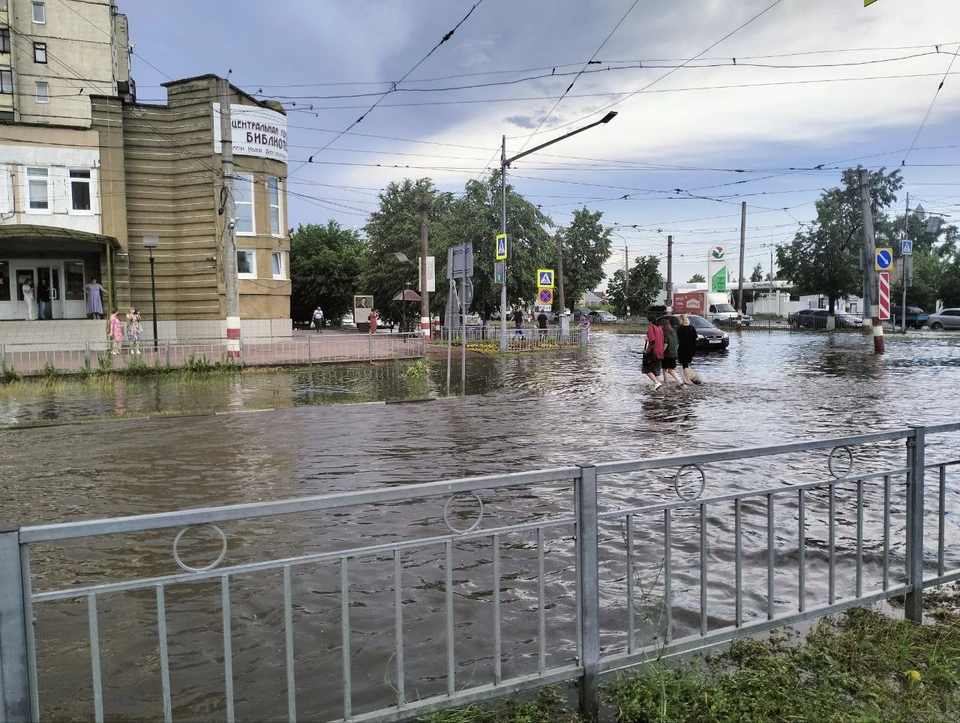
{"points": [[906, 247], [883, 259], [884, 295], [545, 297]]}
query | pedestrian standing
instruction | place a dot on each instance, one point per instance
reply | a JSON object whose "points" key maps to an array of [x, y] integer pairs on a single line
{"points": [[93, 293], [43, 298], [542, 323], [372, 318], [518, 322], [318, 319], [653, 352], [28, 296], [134, 330], [115, 332], [687, 337], [671, 347]]}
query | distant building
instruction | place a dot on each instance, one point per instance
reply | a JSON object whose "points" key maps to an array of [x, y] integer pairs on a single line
{"points": [[86, 173]]}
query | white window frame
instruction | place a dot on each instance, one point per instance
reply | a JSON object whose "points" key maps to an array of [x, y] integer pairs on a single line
{"points": [[43, 13], [7, 39], [36, 174], [252, 253], [44, 96], [90, 190], [40, 50], [243, 195], [277, 261], [274, 185], [6, 82]]}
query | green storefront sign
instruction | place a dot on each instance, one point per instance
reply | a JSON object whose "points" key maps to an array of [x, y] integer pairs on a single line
{"points": [[718, 282]]}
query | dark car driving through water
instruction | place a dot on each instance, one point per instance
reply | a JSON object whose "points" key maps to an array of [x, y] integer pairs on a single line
{"points": [[709, 337]]}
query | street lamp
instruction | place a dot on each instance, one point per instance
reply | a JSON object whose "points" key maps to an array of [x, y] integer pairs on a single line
{"points": [[402, 258], [151, 242], [504, 164]]}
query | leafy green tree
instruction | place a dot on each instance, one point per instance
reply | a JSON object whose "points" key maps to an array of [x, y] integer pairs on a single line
{"points": [[950, 283], [757, 274], [928, 270], [475, 219], [646, 282], [395, 228], [586, 247], [697, 279], [826, 258], [325, 266]]}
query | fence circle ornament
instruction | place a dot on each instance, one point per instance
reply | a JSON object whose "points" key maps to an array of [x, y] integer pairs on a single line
{"points": [[188, 568], [835, 457], [449, 504], [689, 490]]}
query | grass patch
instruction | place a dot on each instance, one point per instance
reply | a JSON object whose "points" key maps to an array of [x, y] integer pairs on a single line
{"points": [[859, 666]]}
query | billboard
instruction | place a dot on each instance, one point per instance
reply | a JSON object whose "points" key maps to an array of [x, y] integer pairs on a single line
{"points": [[259, 132]]}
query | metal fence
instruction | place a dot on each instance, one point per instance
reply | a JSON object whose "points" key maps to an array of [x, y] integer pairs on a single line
{"points": [[385, 604], [36, 359], [518, 339]]}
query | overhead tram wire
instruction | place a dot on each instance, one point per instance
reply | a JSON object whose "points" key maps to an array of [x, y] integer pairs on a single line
{"points": [[936, 95], [669, 73], [444, 39], [577, 76]]}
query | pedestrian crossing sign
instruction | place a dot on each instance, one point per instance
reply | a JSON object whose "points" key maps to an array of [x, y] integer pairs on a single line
{"points": [[501, 247], [545, 278]]}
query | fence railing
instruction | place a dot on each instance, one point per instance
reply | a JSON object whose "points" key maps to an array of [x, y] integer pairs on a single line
{"points": [[517, 339], [34, 359], [389, 603]]}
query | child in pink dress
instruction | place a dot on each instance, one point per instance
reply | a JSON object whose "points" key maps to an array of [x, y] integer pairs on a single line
{"points": [[116, 332]]}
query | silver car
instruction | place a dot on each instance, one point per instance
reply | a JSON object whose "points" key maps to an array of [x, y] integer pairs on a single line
{"points": [[945, 319]]}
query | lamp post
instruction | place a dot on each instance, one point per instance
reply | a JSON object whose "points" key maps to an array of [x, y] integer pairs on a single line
{"points": [[151, 242], [504, 164], [402, 258]]}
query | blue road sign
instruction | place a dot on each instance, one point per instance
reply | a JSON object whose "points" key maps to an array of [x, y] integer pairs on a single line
{"points": [[884, 259], [906, 247], [501, 246], [545, 277]]}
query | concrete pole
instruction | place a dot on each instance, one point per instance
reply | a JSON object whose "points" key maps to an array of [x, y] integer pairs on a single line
{"points": [[669, 274], [869, 251], [743, 248], [424, 252], [503, 229], [564, 321], [229, 225], [626, 277], [903, 260]]}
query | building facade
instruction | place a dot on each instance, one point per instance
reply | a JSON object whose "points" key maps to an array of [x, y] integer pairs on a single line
{"points": [[86, 173]]}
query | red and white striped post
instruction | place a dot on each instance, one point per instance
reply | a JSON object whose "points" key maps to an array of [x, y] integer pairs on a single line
{"points": [[884, 295]]}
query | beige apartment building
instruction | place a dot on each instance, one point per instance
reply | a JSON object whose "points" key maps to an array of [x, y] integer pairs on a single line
{"points": [[86, 173]]}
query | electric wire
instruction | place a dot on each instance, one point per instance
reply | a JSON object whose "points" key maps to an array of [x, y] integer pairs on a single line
{"points": [[936, 95]]}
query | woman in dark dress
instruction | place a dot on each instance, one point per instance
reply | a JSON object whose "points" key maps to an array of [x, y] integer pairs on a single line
{"points": [[687, 337]]}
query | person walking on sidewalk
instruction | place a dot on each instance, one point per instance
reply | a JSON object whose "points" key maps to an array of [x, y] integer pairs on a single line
{"points": [[115, 332], [28, 295], [134, 330], [318, 319]]}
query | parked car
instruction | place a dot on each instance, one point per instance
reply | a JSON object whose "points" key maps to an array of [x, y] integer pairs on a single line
{"points": [[798, 318], [817, 319], [945, 319], [601, 316], [709, 337], [916, 317]]}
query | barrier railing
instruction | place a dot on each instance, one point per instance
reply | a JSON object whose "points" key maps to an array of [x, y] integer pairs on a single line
{"points": [[76, 357], [389, 603]]}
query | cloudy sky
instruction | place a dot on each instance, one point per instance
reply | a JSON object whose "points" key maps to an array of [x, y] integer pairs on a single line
{"points": [[824, 83]]}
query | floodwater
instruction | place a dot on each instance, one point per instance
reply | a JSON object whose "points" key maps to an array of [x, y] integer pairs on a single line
{"points": [[170, 444]]}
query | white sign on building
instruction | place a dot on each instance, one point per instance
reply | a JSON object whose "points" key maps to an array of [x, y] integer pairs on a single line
{"points": [[256, 132]]}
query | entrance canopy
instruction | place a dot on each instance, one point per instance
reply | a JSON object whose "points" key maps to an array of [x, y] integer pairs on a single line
{"points": [[20, 237]]}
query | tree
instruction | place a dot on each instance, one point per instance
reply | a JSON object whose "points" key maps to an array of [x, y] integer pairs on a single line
{"points": [[395, 227], [928, 271], [325, 266], [475, 218], [757, 274], [826, 258], [586, 247], [697, 279], [645, 283]]}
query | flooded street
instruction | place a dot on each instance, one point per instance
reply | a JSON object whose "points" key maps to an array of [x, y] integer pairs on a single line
{"points": [[269, 436]]}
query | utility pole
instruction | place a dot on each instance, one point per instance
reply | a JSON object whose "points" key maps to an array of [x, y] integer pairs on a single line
{"points": [[424, 251], [230, 224], [503, 230], [669, 274], [903, 260], [743, 247], [870, 273], [626, 277], [563, 307]]}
